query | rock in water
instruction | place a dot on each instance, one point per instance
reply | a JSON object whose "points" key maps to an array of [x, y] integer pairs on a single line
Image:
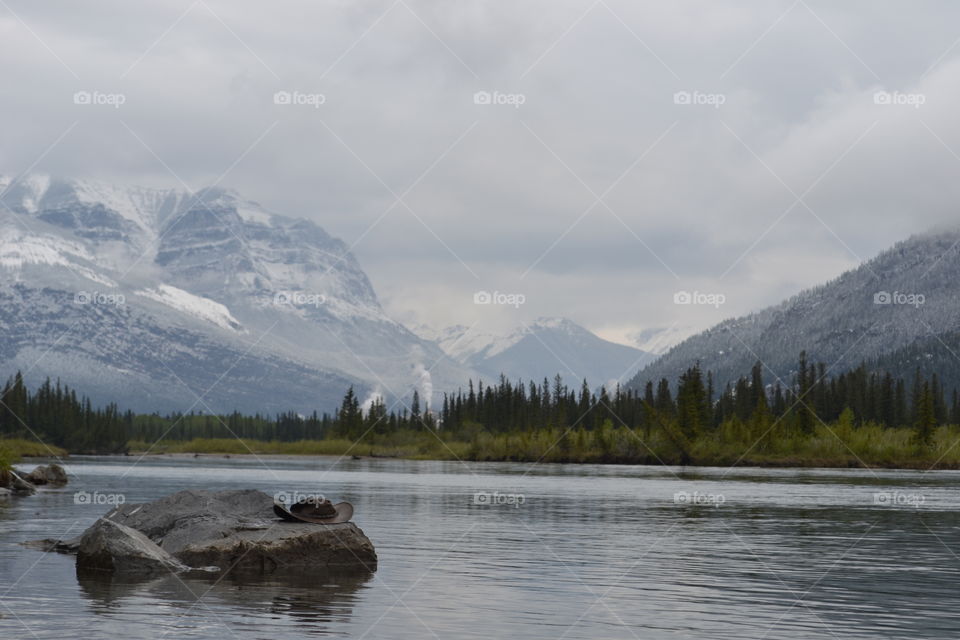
{"points": [[237, 530], [20, 486], [115, 548], [49, 474]]}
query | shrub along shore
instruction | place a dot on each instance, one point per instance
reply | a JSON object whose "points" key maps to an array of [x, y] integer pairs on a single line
{"points": [[839, 444]]}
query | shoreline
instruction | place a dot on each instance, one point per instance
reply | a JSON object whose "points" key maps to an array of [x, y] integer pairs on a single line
{"points": [[785, 463]]}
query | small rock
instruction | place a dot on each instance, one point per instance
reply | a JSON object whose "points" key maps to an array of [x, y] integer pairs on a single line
{"points": [[53, 544], [47, 474], [21, 486], [115, 548]]}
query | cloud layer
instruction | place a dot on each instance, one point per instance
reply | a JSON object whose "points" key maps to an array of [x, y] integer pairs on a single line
{"points": [[597, 157]]}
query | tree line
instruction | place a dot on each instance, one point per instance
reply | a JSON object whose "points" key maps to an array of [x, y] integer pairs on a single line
{"points": [[684, 411]]}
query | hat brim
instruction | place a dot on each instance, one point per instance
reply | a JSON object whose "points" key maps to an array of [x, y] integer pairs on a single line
{"points": [[344, 511]]}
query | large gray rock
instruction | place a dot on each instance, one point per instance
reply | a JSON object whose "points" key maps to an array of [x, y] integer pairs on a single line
{"points": [[115, 548], [238, 531]]}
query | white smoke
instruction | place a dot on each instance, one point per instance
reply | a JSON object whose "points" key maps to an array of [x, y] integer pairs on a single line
{"points": [[426, 385], [375, 395]]}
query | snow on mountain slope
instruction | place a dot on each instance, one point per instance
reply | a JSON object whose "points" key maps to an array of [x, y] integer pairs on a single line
{"points": [[659, 340], [197, 306], [905, 294], [542, 349], [223, 268]]}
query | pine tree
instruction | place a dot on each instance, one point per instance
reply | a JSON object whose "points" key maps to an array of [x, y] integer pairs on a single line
{"points": [[926, 420]]}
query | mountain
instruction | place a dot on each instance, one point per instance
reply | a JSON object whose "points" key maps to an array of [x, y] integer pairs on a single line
{"points": [[658, 340], [153, 297], [541, 350], [897, 303]]}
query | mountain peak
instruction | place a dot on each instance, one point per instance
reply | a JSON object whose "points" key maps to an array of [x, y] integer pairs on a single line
{"points": [[539, 349]]}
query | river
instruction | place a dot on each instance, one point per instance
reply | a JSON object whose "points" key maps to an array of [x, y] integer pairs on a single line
{"points": [[504, 550]]}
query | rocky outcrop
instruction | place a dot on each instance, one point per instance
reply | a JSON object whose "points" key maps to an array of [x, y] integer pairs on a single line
{"points": [[115, 548], [233, 530]]}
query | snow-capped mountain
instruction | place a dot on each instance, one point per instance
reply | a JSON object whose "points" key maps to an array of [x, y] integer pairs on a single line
{"points": [[907, 296], [151, 297], [540, 350]]}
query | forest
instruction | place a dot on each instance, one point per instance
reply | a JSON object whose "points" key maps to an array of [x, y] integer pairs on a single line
{"points": [[855, 418]]}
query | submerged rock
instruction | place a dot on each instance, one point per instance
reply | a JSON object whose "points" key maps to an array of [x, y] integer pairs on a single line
{"points": [[115, 548], [235, 531]]}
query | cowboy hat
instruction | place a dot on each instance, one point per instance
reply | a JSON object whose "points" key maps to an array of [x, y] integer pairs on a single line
{"points": [[314, 510]]}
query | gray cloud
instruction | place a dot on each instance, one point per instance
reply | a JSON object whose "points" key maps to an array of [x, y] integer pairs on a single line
{"points": [[704, 204]]}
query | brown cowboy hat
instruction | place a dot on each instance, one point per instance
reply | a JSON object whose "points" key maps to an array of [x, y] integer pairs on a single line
{"points": [[315, 510]]}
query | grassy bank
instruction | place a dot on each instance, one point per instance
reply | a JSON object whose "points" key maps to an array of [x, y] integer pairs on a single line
{"points": [[408, 445], [836, 445], [12, 450]]}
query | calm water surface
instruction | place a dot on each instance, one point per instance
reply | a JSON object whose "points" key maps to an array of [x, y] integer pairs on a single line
{"points": [[582, 552]]}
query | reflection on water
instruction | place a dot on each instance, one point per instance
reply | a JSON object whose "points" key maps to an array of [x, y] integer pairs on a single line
{"points": [[590, 552], [313, 604]]}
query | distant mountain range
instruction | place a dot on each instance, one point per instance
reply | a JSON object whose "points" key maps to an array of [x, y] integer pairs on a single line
{"points": [[895, 312], [542, 349], [164, 300]]}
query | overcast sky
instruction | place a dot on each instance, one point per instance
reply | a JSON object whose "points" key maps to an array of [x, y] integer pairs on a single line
{"points": [[641, 148]]}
